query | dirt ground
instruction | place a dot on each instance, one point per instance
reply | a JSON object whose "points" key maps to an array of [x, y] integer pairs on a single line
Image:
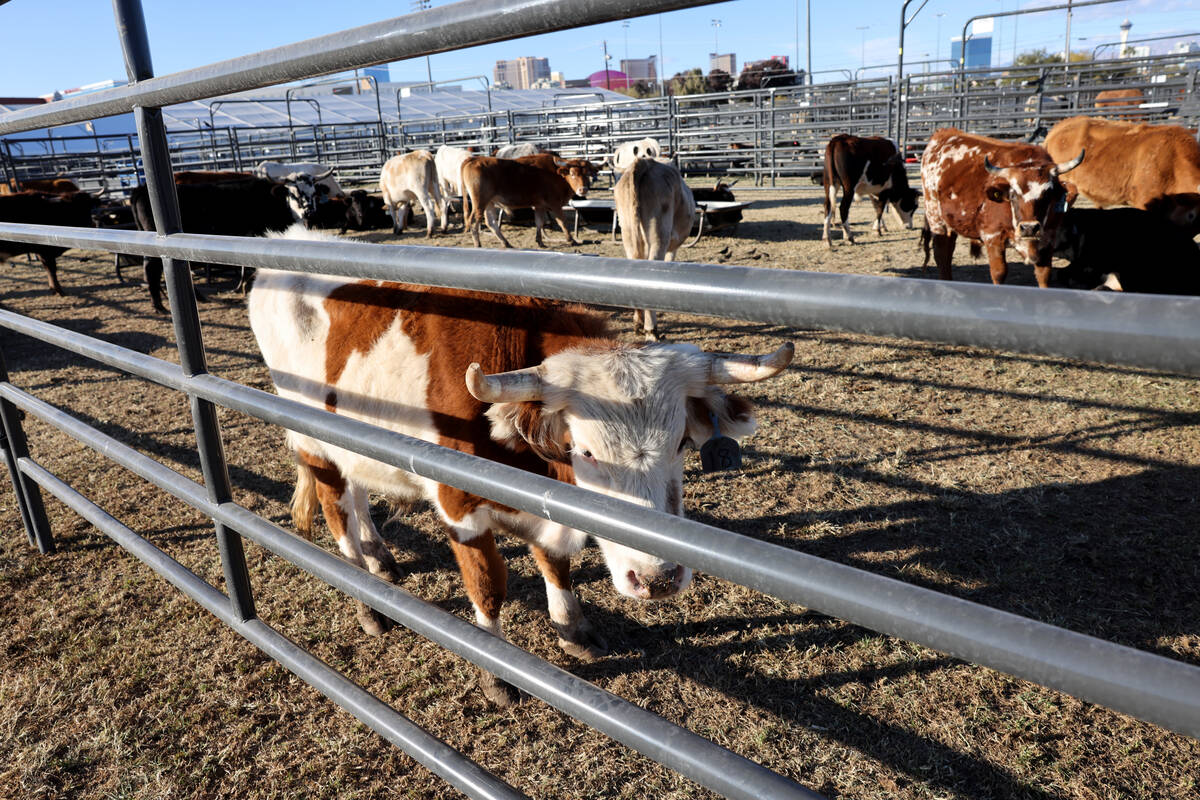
{"points": [[1059, 490]]}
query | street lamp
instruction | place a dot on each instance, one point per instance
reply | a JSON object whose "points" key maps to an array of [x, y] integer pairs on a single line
{"points": [[937, 49], [864, 29], [716, 25]]}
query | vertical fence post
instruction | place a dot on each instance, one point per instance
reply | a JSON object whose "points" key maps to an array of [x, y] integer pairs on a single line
{"points": [[28, 494], [902, 115], [157, 160]]}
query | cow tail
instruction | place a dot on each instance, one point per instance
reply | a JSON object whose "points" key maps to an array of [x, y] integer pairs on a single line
{"points": [[640, 228], [466, 202], [976, 248], [304, 499]]}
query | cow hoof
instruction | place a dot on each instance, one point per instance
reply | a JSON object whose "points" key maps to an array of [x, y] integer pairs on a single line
{"points": [[373, 623], [828, 244], [584, 643], [653, 336], [498, 692]]}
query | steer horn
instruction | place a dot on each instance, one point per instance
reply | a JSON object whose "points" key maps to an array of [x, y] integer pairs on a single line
{"points": [[992, 168], [515, 386], [1059, 169], [747, 369]]}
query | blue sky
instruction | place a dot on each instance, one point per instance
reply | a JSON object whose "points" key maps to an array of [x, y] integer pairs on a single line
{"points": [[185, 34]]}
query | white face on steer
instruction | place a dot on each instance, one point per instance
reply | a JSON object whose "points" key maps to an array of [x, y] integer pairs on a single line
{"points": [[301, 194], [626, 418]]}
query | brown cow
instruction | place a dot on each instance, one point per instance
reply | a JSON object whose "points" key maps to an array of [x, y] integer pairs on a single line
{"points": [[1118, 99], [535, 384], [41, 208], [1155, 167], [46, 185], [996, 192], [488, 182]]}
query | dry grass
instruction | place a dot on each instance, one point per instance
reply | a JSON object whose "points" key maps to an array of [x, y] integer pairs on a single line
{"points": [[1059, 490]]}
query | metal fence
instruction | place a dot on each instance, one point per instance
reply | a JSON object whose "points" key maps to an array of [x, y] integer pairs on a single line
{"points": [[764, 134], [1157, 332]]}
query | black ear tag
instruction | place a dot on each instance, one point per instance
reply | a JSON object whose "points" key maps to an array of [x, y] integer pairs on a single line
{"points": [[720, 452]]}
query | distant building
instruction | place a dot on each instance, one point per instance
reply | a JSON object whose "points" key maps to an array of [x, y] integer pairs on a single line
{"points": [[609, 79], [382, 73], [641, 69], [521, 73], [726, 62], [86, 89], [979, 51]]}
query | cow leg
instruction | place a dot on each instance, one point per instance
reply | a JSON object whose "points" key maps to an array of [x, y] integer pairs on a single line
{"points": [[1043, 276], [539, 222], [152, 269], [51, 265], [576, 636], [375, 551], [997, 263], [844, 211], [493, 221], [428, 207], [830, 197], [562, 223], [645, 323], [486, 580], [338, 501], [879, 209], [943, 252]]}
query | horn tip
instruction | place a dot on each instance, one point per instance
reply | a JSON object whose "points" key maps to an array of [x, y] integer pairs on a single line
{"points": [[476, 384]]}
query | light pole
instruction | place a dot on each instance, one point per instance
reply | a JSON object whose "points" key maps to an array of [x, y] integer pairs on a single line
{"points": [[625, 28], [864, 29], [716, 26], [937, 49], [423, 5]]}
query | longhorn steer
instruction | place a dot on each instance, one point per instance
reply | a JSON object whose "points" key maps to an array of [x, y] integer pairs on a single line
{"points": [[534, 384], [867, 166], [1127, 250], [500, 182], [655, 209], [412, 178], [995, 192]]}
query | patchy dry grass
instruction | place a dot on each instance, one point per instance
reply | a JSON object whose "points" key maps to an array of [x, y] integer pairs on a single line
{"points": [[1055, 489]]}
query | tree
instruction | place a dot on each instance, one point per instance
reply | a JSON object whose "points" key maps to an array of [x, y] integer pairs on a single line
{"points": [[765, 74], [719, 81], [1033, 58], [689, 82]]}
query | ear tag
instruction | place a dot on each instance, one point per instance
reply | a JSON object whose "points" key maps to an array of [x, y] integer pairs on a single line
{"points": [[1062, 205], [720, 452]]}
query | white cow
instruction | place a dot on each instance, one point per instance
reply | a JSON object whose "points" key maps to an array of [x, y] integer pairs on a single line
{"points": [[629, 152], [408, 178], [449, 161], [520, 149], [534, 384], [656, 210]]}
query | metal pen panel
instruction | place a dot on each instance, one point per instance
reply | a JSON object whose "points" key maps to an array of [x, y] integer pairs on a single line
{"points": [[1142, 684], [1156, 331]]}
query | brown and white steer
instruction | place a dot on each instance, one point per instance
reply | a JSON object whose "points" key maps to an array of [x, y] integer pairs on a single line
{"points": [[1154, 167], [408, 178], [656, 210], [994, 192], [867, 166], [535, 384], [500, 182]]}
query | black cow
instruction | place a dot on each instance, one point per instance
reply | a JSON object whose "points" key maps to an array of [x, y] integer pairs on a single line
{"points": [[866, 165], [245, 208], [1128, 250], [40, 208], [718, 219], [366, 212]]}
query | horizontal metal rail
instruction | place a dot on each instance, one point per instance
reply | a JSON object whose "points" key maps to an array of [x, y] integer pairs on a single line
{"points": [[459, 25], [691, 755], [1134, 682], [427, 750], [1159, 332]]}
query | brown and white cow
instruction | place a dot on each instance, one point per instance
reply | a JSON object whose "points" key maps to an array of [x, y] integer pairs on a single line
{"points": [[489, 182], [410, 178], [1154, 167], [994, 192], [535, 384], [867, 166], [40, 208], [656, 210]]}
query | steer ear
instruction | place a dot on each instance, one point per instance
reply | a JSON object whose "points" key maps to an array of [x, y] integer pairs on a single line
{"points": [[997, 192], [734, 415], [529, 426]]}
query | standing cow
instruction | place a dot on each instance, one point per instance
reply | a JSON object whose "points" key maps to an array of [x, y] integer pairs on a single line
{"points": [[994, 192], [40, 208], [534, 384], [412, 178], [655, 209], [867, 166]]}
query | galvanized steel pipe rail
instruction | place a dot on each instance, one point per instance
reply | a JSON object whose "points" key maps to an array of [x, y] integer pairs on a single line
{"points": [[1159, 332], [1145, 685]]}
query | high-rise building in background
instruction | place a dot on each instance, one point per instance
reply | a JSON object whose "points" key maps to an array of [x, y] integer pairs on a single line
{"points": [[641, 69], [725, 61], [521, 73], [979, 45], [382, 73]]}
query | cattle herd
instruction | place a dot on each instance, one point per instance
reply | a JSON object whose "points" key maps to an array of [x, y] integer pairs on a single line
{"points": [[544, 386]]}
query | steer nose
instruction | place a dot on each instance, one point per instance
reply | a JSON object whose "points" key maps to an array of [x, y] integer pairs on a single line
{"points": [[1030, 229], [658, 585]]}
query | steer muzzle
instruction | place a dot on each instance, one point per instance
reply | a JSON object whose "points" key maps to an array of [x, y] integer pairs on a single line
{"points": [[1030, 230], [659, 584]]}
